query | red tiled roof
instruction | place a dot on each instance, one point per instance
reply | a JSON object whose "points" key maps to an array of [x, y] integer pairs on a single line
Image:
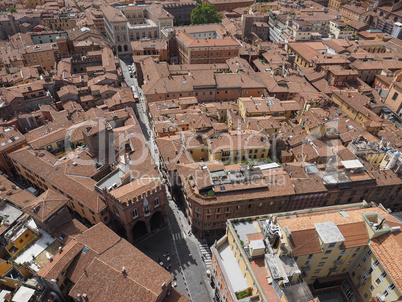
{"points": [[388, 249], [305, 242], [355, 234]]}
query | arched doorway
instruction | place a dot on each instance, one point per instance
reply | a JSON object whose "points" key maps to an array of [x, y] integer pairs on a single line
{"points": [[157, 221], [139, 230]]}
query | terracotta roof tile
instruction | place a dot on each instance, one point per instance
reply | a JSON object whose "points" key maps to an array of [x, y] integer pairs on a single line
{"points": [[99, 238], [355, 234], [68, 230], [388, 249], [45, 205], [53, 269], [305, 242]]}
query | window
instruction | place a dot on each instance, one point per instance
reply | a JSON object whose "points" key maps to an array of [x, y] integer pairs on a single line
{"points": [[365, 296], [369, 253], [321, 264], [332, 245], [378, 281], [156, 202], [135, 213], [353, 274], [371, 288], [328, 252], [358, 267], [310, 256], [21, 240], [383, 275], [317, 271], [391, 287], [364, 259]]}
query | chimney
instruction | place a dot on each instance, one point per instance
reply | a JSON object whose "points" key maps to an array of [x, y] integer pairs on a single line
{"points": [[124, 272]]}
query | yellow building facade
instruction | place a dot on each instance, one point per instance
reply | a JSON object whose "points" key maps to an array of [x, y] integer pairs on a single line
{"points": [[255, 107], [354, 249], [18, 240], [353, 104]]}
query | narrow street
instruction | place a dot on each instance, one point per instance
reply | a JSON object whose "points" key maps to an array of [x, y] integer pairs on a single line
{"points": [[174, 247]]}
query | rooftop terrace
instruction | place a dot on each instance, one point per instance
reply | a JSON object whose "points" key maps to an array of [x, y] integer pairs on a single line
{"points": [[231, 267]]}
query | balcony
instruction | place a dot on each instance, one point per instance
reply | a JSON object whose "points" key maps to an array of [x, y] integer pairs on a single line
{"points": [[338, 262], [334, 269]]}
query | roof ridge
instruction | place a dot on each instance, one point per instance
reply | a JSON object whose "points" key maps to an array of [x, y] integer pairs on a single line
{"points": [[127, 276]]}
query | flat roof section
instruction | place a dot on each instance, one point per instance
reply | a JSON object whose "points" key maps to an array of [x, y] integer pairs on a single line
{"points": [[23, 294], [231, 267], [352, 164], [244, 228], [329, 232]]}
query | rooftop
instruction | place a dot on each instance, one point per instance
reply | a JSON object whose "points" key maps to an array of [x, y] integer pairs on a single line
{"points": [[328, 232], [231, 267]]}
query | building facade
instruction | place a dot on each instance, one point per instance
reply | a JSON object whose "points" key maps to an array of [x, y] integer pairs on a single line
{"points": [[133, 23], [345, 249]]}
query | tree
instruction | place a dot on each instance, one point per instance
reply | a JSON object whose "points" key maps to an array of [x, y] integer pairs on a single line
{"points": [[205, 13], [12, 9]]}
